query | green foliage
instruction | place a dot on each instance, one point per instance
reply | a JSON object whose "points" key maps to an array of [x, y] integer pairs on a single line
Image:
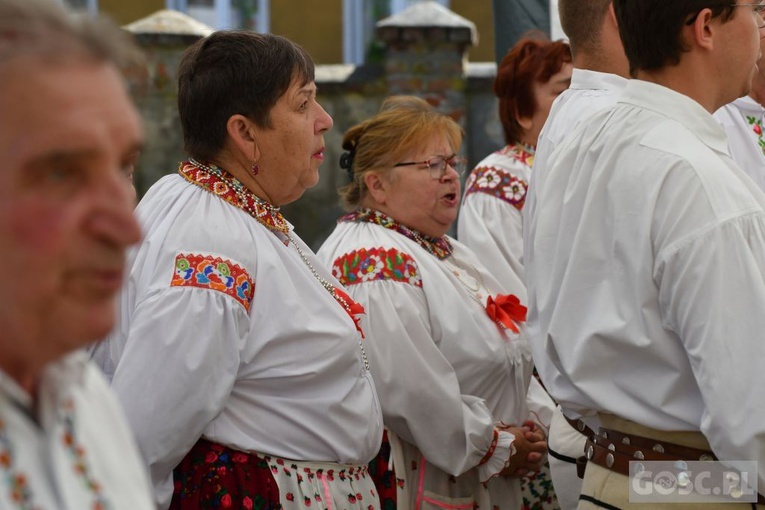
{"points": [[376, 49], [247, 11], [375, 52]]}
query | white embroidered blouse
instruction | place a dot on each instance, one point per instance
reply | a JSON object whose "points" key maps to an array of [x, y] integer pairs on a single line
{"points": [[78, 452]]}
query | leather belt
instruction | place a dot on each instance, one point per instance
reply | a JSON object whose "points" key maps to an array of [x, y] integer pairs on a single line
{"points": [[649, 449], [580, 426], [611, 451], [614, 450]]}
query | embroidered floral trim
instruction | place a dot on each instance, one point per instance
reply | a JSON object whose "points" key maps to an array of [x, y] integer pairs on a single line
{"points": [[520, 152], [18, 487], [215, 273], [364, 265], [440, 248], [229, 188], [279, 465], [352, 473], [78, 456], [757, 128], [499, 182]]}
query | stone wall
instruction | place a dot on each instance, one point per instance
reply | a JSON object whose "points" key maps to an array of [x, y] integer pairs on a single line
{"points": [[421, 61]]}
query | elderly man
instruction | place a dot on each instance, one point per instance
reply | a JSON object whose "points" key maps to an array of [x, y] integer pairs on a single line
{"points": [[67, 133], [648, 255], [600, 74]]}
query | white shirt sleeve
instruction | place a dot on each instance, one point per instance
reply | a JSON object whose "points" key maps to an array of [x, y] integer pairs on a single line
{"points": [[418, 389], [541, 405], [712, 291], [493, 229], [182, 350]]}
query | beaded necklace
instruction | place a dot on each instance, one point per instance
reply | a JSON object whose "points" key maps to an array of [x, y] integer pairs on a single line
{"points": [[221, 183], [474, 293], [440, 247]]}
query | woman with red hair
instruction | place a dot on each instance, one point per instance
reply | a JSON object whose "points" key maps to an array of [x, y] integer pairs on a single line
{"points": [[529, 78]]}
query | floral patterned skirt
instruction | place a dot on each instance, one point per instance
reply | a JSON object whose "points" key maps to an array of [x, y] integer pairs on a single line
{"points": [[537, 491], [215, 476]]}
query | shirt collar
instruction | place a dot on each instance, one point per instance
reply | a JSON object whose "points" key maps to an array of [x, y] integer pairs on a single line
{"points": [[584, 79], [674, 105], [439, 247], [748, 104], [57, 376]]}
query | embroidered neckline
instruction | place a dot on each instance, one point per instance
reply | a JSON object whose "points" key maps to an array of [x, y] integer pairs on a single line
{"points": [[440, 247], [219, 182], [224, 185], [520, 151]]}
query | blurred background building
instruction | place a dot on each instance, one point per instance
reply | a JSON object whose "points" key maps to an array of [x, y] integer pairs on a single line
{"points": [[343, 31], [441, 50]]}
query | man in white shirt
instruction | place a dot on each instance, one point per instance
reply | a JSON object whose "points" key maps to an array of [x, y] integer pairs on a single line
{"points": [[743, 123], [68, 131], [600, 71], [647, 256]]}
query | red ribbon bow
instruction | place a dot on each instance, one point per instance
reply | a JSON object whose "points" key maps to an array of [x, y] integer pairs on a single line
{"points": [[351, 307], [506, 310]]}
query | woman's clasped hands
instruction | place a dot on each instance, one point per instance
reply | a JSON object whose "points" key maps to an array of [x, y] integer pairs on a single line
{"points": [[530, 449]]}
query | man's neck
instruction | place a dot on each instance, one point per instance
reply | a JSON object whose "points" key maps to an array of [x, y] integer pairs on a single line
{"points": [[678, 79], [598, 63], [758, 90]]}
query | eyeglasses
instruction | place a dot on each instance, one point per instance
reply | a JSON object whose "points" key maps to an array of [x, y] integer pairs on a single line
{"points": [[758, 9], [437, 165]]}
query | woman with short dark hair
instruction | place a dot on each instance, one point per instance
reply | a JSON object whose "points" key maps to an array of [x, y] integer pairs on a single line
{"points": [[239, 359]]}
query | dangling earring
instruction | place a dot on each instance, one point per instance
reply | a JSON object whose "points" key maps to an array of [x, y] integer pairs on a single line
{"points": [[255, 169]]}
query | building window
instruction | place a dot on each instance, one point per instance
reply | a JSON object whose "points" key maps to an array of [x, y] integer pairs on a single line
{"points": [[82, 5], [226, 14], [397, 6], [359, 18], [205, 11], [252, 14]]}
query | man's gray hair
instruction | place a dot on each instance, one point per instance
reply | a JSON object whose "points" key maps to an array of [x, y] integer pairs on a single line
{"points": [[45, 28]]}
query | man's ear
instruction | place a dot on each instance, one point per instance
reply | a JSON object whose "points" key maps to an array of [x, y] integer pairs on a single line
{"points": [[377, 186], [243, 134], [611, 18], [702, 31]]}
